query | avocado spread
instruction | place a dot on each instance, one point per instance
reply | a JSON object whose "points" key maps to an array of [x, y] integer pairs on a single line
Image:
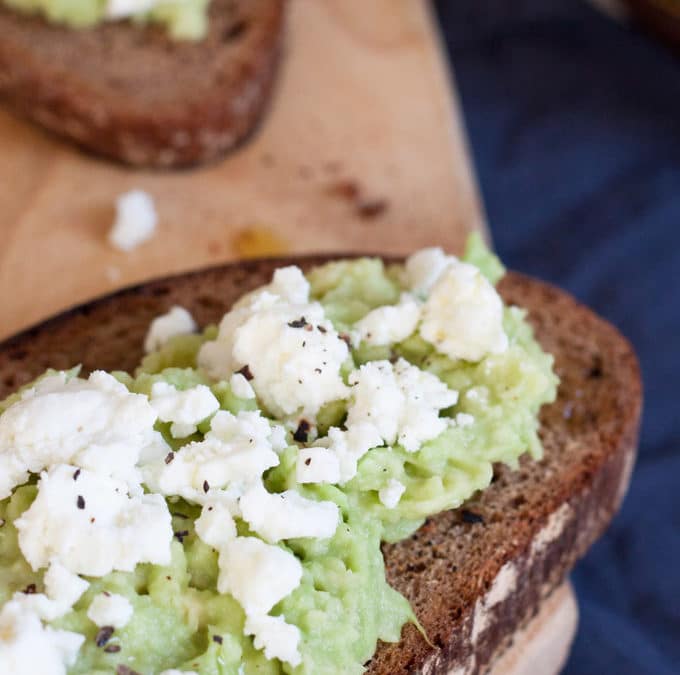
{"points": [[267, 458], [183, 19]]}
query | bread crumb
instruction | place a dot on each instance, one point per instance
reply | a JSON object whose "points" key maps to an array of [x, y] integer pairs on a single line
{"points": [[135, 222]]}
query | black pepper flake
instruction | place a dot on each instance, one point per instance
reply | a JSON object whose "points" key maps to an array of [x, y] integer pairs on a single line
{"points": [[169, 457], [122, 669], [302, 432], [80, 502], [103, 636], [298, 323], [112, 649], [471, 517], [317, 370], [218, 639], [308, 461], [206, 486], [345, 338], [180, 535], [321, 329], [76, 474], [29, 590], [245, 371]]}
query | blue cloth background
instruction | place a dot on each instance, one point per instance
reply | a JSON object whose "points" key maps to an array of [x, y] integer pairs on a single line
{"points": [[574, 123]]}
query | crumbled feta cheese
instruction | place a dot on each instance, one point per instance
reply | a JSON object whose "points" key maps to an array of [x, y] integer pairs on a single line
{"points": [[177, 321], [110, 609], [391, 493], [290, 284], [184, 408], [423, 269], [278, 438], [215, 526], [257, 574], [87, 521], [287, 515], [317, 465], [400, 400], [95, 423], [121, 9], [463, 315], [278, 639], [27, 647], [390, 323], [63, 587], [464, 420], [290, 348], [241, 387], [135, 220], [235, 452]]}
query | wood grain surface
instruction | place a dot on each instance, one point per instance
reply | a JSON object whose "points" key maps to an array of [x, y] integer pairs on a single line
{"points": [[362, 149]]}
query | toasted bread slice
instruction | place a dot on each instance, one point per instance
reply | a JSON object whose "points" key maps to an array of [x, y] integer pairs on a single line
{"points": [[475, 575], [134, 94]]}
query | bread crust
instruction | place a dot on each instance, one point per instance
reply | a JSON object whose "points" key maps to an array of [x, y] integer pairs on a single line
{"points": [[472, 584], [135, 95]]}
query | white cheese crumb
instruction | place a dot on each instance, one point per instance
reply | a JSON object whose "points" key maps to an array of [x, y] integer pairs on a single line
{"points": [[278, 438], [278, 639], [317, 465], [135, 220], [95, 423], [389, 324], [463, 315], [423, 269], [235, 452], [391, 493], [27, 647], [177, 321], [121, 9], [259, 575], [63, 587], [88, 522], [464, 420], [241, 387], [215, 526], [291, 349], [110, 609], [185, 408], [287, 515]]}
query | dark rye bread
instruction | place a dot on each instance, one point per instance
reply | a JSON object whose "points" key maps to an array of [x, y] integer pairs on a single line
{"points": [[531, 524], [134, 94]]}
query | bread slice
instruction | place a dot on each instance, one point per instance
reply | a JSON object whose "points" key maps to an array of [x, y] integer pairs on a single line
{"points": [[475, 575], [134, 94]]}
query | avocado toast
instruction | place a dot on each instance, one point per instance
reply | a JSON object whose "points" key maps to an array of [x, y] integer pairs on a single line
{"points": [[473, 576]]}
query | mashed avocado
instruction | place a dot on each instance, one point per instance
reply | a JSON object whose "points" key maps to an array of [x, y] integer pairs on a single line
{"points": [[183, 19], [342, 605]]}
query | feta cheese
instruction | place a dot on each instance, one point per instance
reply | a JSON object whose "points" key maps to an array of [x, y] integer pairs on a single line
{"points": [[27, 647], [235, 452], [241, 387], [291, 349], [121, 9], [464, 420], [110, 609], [89, 523], [463, 315], [278, 639], [257, 574], [390, 323], [215, 526], [135, 220], [63, 588], [185, 409], [177, 321], [287, 515], [391, 493], [317, 465], [400, 400], [95, 423], [423, 269]]}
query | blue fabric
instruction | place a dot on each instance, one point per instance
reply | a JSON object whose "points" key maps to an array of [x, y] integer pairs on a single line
{"points": [[574, 123]]}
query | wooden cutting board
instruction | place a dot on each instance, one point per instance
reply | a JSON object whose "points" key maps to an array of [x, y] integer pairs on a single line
{"points": [[364, 103]]}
